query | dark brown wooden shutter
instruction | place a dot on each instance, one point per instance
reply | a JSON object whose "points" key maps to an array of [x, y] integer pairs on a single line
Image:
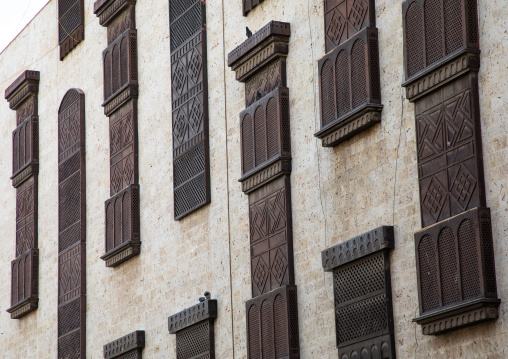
{"points": [[120, 68], [129, 346], [350, 89], [191, 162], [71, 22], [195, 332], [71, 226], [362, 294], [22, 97]]}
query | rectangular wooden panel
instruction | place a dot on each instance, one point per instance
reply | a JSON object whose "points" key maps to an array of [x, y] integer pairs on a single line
{"points": [[450, 163], [71, 22], [345, 18], [25, 142], [24, 284], [271, 236], [129, 346], [26, 216], [456, 272], [191, 162], [350, 88], [248, 5], [71, 226], [272, 325]]}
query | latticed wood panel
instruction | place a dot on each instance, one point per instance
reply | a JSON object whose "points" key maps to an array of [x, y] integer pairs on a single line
{"points": [[272, 325], [71, 22], [362, 294], [248, 5], [456, 272], [450, 164], [345, 18], [350, 88], [194, 329], [191, 167], [271, 236], [22, 97], [435, 31], [129, 346], [71, 226]]}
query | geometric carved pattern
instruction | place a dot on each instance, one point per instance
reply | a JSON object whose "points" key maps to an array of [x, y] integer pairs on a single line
{"points": [[22, 97], [271, 237], [362, 291], [120, 65], [434, 33], [350, 87], [344, 18], [265, 81], [191, 168], [272, 324], [449, 151], [71, 224], [194, 329], [71, 21], [454, 258]]}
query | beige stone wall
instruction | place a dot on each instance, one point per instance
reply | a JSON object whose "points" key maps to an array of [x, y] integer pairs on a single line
{"points": [[337, 193]]}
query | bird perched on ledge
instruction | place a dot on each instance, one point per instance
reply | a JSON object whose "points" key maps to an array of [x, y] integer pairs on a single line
{"points": [[248, 32]]}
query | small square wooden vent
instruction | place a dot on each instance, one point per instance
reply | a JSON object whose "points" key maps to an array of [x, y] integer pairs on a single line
{"points": [[194, 329], [129, 346], [363, 296], [350, 89], [456, 272]]}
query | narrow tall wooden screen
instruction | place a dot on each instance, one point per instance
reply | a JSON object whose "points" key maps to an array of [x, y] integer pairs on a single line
{"points": [[71, 226], [22, 97], [122, 232], [191, 158], [71, 22]]}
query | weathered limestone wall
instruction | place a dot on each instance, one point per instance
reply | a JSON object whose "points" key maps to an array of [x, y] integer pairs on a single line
{"points": [[368, 181]]}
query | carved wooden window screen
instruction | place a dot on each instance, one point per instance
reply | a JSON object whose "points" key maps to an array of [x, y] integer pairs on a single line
{"points": [[362, 294], [129, 346], [22, 97], [191, 167], [345, 18], [71, 226], [120, 70], [435, 30], [71, 21], [194, 329], [248, 5]]}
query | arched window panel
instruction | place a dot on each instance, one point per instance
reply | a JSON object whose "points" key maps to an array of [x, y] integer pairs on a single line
{"points": [[362, 294], [272, 324], [71, 21], [440, 42], [22, 98], [194, 329], [266, 145], [71, 225], [461, 295], [350, 89], [345, 18], [191, 158]]}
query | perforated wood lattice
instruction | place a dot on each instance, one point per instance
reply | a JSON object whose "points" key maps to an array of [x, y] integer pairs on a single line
{"points": [[193, 342], [71, 225], [345, 18], [129, 346], [70, 24], [469, 260], [448, 140], [448, 266], [434, 31], [271, 236], [358, 76], [191, 167], [272, 325], [22, 97]]}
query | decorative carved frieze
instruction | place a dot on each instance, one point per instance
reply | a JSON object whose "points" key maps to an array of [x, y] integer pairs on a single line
{"points": [[194, 329], [456, 272], [71, 226], [272, 324], [129, 346], [22, 97], [363, 296], [350, 88], [191, 158], [436, 33], [345, 18], [120, 60], [71, 25]]}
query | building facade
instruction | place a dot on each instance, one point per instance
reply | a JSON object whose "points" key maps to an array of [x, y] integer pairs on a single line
{"points": [[331, 174]]}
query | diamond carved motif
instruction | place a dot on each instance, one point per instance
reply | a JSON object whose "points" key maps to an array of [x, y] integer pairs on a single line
{"points": [[357, 13], [463, 186], [336, 27], [435, 197], [260, 274], [279, 266]]}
